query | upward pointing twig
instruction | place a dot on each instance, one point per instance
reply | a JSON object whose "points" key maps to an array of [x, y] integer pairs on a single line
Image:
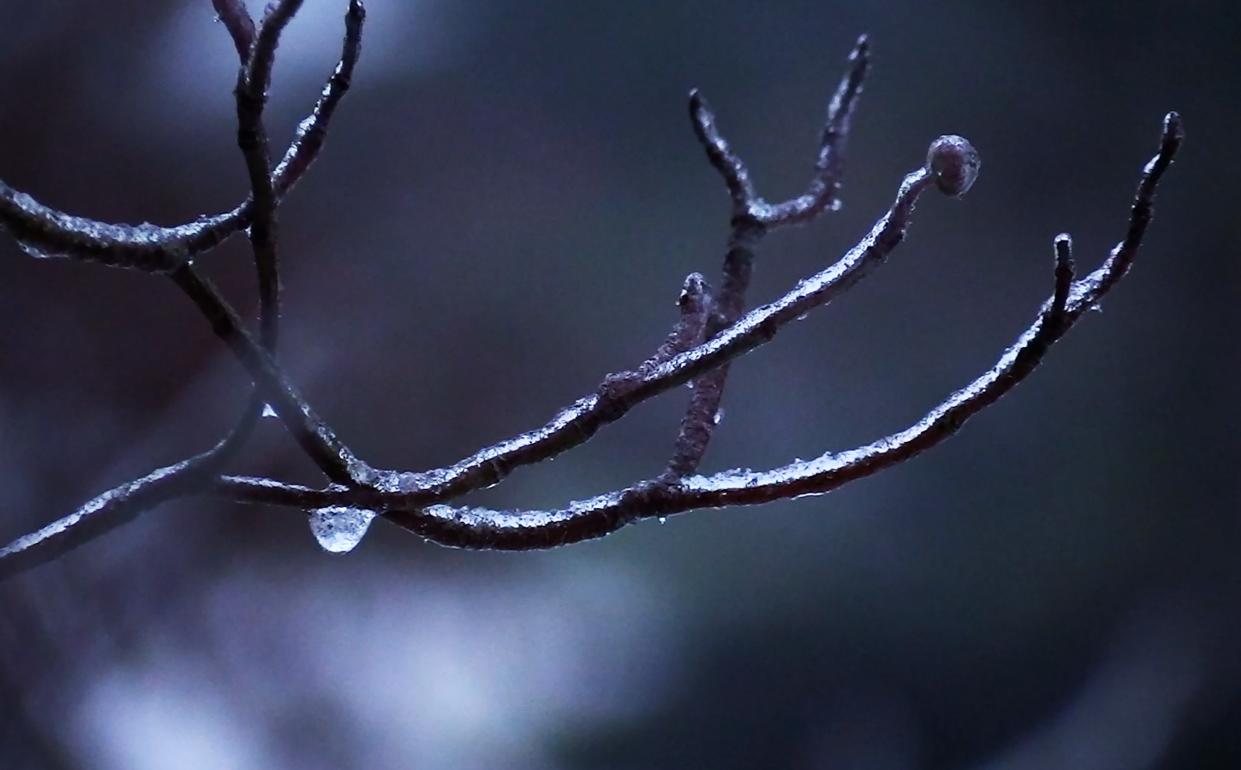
{"points": [[237, 21], [44, 231], [752, 218]]}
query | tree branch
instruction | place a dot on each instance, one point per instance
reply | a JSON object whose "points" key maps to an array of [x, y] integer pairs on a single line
{"points": [[753, 218], [712, 331], [417, 510], [123, 504], [315, 438], [236, 19], [44, 232]]}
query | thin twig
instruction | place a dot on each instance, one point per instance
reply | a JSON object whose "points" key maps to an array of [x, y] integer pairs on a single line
{"points": [[416, 500], [694, 304], [824, 189], [237, 21], [752, 219], [336, 460], [251, 93], [46, 232], [312, 131], [415, 509], [622, 391], [124, 503], [141, 246], [721, 155]]}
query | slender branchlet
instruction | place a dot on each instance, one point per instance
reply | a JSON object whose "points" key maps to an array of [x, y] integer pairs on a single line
{"points": [[712, 331], [694, 304], [315, 438], [824, 189], [721, 155], [124, 503], [1065, 270], [253, 81], [312, 131], [45, 232], [752, 218], [237, 21], [416, 508], [256, 57]]}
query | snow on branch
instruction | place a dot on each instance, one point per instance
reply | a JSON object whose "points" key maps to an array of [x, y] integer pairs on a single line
{"points": [[712, 331]]}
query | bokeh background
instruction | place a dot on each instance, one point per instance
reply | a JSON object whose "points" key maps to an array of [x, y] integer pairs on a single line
{"points": [[507, 204]]}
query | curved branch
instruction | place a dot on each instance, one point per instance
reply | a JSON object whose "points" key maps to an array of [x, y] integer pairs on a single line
{"points": [[124, 503], [580, 421], [752, 219], [621, 392], [824, 189], [522, 530], [312, 132], [45, 232], [319, 442], [598, 516], [416, 500], [236, 19]]}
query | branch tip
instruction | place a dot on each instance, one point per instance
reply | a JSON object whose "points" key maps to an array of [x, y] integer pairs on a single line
{"points": [[240, 26], [711, 331], [1172, 128], [721, 156], [1064, 273], [861, 49]]}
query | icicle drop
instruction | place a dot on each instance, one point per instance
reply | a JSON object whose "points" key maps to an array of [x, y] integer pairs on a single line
{"points": [[339, 528]]}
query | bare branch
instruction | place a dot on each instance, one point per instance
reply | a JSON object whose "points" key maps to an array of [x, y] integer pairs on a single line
{"points": [[694, 303], [312, 131], [310, 432], [712, 331], [1063, 246], [124, 503], [251, 93], [752, 219], [415, 510], [824, 189], [578, 422], [46, 232], [1098, 283], [237, 21], [263, 54], [720, 154], [702, 413]]}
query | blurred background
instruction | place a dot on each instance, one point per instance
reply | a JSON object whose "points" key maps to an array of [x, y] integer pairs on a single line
{"points": [[504, 212]]}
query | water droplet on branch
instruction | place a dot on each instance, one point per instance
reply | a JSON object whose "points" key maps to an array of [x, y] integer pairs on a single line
{"points": [[339, 528]]}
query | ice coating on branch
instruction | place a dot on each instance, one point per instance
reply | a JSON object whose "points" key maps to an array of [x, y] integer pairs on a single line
{"points": [[339, 528], [44, 232]]}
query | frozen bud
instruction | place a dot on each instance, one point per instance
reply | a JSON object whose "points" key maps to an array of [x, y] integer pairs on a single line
{"points": [[955, 163]]}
